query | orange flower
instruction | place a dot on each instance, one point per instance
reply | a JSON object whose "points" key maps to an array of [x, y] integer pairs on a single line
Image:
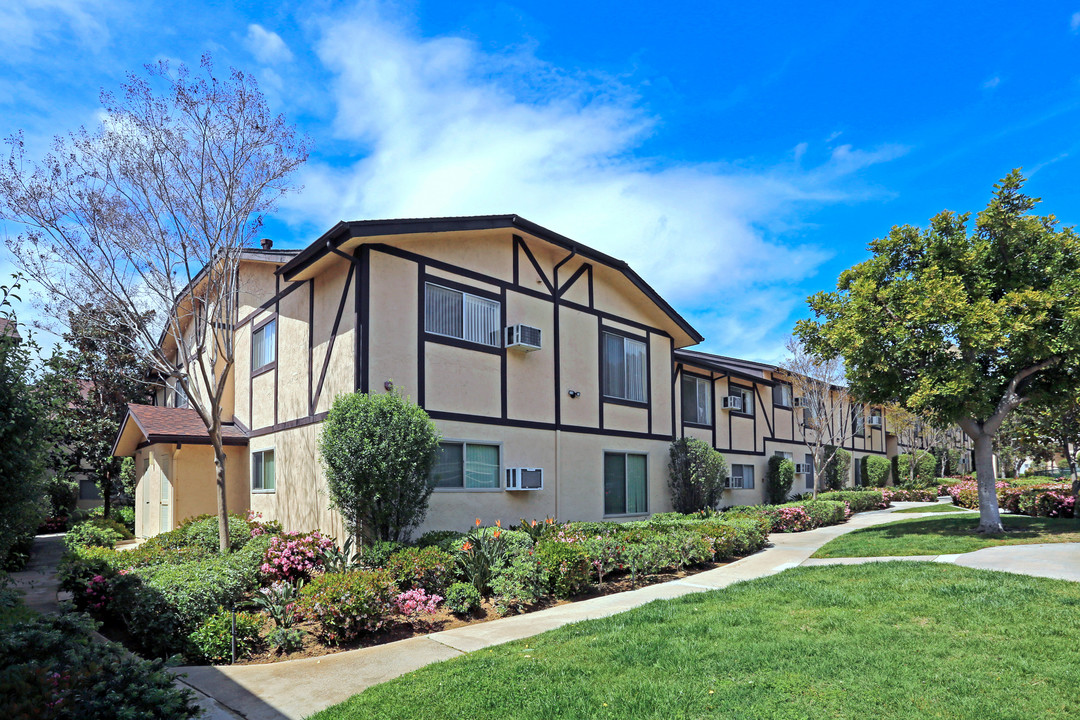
{"points": [[466, 547], [498, 523], [477, 522], [534, 523], [497, 534]]}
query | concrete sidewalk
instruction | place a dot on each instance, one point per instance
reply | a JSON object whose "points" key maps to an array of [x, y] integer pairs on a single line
{"points": [[298, 688], [37, 581]]}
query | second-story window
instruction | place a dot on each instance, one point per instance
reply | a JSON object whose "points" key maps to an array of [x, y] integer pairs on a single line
{"points": [[180, 398], [782, 395], [858, 420], [461, 315], [696, 400], [624, 368], [264, 345], [747, 396]]}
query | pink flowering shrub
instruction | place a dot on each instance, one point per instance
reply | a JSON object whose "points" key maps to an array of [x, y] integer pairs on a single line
{"points": [[97, 595], [1046, 500], [966, 493], [294, 556], [416, 602]]}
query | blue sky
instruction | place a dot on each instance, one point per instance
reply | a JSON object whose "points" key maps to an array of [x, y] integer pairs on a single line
{"points": [[739, 156]]}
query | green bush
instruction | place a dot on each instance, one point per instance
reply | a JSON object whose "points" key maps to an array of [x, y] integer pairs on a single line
{"points": [[462, 598], [448, 540], [875, 471], [858, 500], [518, 584], [212, 640], [52, 666], [778, 479], [925, 470], [515, 542], [378, 552], [605, 528], [697, 473], [836, 473], [91, 533], [565, 565], [377, 451], [794, 516], [347, 604], [428, 568], [929, 494], [123, 514], [202, 531]]}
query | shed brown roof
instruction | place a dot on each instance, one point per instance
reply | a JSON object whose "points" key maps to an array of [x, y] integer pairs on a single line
{"points": [[175, 425]]}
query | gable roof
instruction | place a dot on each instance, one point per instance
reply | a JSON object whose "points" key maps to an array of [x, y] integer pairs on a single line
{"points": [[335, 236], [156, 424], [742, 369]]}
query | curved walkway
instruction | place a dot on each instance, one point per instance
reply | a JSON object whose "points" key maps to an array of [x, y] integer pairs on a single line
{"points": [[297, 688]]}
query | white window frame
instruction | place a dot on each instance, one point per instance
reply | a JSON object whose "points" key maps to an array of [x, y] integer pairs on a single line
{"points": [[730, 483], [495, 339], [272, 347], [698, 382], [178, 393], [464, 455], [626, 369], [789, 391], [251, 473], [744, 392], [603, 470]]}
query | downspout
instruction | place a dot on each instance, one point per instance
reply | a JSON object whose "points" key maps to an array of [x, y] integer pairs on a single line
{"points": [[558, 390]]}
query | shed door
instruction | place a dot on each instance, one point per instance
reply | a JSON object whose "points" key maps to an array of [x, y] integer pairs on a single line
{"points": [[164, 505], [144, 482]]}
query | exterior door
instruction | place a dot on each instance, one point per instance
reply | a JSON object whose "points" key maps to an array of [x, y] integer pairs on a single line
{"points": [[145, 496], [165, 498], [810, 475]]}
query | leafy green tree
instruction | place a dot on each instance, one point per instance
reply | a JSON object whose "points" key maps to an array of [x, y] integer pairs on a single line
{"points": [[92, 381], [778, 479], [1052, 428], [963, 324], [378, 451], [23, 441], [836, 472], [696, 475], [875, 471]]}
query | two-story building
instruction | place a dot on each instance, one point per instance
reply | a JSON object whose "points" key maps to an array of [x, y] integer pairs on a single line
{"points": [[556, 375]]}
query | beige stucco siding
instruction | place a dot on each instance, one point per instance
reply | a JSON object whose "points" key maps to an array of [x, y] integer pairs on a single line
{"points": [[339, 376], [189, 474], [579, 367], [292, 368], [530, 376], [392, 324]]}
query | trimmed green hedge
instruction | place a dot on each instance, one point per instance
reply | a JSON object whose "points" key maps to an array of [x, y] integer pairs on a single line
{"points": [[858, 500], [794, 516], [875, 471]]}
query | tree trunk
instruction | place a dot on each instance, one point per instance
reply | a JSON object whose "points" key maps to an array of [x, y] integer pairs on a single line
{"points": [[107, 488], [222, 503], [989, 516]]}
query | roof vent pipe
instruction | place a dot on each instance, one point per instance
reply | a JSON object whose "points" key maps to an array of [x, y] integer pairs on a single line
{"points": [[266, 243]]}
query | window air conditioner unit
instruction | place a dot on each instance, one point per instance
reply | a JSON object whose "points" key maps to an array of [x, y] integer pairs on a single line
{"points": [[731, 402], [525, 337], [803, 468], [875, 420], [519, 478]]}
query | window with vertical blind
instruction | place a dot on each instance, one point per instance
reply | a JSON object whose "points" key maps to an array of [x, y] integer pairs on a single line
{"points": [[467, 466], [264, 345], [461, 315], [624, 368], [263, 475], [626, 486], [741, 477], [696, 400]]}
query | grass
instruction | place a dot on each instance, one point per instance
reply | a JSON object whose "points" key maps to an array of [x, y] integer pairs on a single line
{"points": [[939, 508], [946, 535], [883, 640]]}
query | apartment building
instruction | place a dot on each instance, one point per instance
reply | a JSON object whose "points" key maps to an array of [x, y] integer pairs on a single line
{"points": [[556, 375]]}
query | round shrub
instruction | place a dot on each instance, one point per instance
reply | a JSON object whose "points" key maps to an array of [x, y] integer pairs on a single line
{"points": [[92, 534], [348, 604], [294, 556], [462, 598], [202, 531], [448, 540], [565, 565], [428, 569], [836, 472], [211, 642], [778, 479], [696, 475], [377, 553], [518, 584], [875, 471]]}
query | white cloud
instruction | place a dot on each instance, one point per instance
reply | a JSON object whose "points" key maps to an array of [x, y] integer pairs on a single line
{"points": [[443, 128], [992, 83], [266, 45], [30, 24], [1074, 22]]}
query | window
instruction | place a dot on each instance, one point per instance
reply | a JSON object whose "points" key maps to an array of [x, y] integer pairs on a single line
{"points": [[741, 477], [747, 396], [263, 478], [180, 398], [466, 466], [626, 488], [624, 368], [264, 345], [88, 490], [696, 400], [858, 421], [460, 315], [785, 455], [782, 395]]}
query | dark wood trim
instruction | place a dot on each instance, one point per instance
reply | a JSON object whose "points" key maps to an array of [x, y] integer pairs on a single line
{"points": [[556, 305], [463, 344], [648, 382], [714, 418], [584, 268], [333, 338], [768, 421], [362, 341], [537, 425], [503, 360], [288, 425], [263, 323], [625, 333], [627, 403], [591, 304], [278, 296], [699, 426], [532, 259], [277, 342], [188, 440], [600, 372], [272, 365], [421, 345], [310, 341], [515, 256], [676, 369], [463, 287]]}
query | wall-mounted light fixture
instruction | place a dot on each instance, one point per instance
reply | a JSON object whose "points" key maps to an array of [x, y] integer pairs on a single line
{"points": [[573, 393], [389, 385]]}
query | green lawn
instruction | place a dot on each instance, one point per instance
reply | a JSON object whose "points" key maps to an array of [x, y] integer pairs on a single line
{"points": [[946, 535], [882, 640], [939, 508]]}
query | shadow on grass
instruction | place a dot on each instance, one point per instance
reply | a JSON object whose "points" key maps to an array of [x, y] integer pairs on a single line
{"points": [[1015, 527]]}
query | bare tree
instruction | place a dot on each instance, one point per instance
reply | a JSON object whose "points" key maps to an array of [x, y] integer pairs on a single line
{"points": [[150, 212], [917, 435], [827, 421]]}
